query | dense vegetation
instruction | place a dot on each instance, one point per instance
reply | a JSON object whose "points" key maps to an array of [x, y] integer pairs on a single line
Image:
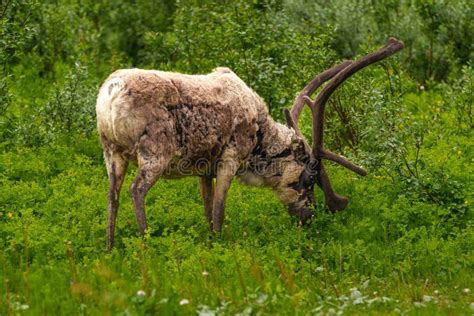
{"points": [[405, 243]]}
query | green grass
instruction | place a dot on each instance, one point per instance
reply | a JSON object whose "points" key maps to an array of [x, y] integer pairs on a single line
{"points": [[386, 253]]}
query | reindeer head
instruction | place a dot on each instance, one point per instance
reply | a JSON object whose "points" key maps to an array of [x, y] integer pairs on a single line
{"points": [[297, 177], [296, 188]]}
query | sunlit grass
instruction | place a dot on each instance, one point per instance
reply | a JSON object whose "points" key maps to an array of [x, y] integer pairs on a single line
{"points": [[379, 255]]}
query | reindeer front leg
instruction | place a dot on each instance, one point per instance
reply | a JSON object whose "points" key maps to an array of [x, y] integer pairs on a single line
{"points": [[206, 184], [226, 170]]}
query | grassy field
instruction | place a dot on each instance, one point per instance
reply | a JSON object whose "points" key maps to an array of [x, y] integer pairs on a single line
{"points": [[388, 252], [405, 244]]}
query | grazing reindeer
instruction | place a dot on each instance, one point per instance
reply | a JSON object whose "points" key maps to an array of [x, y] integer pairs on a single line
{"points": [[215, 127]]}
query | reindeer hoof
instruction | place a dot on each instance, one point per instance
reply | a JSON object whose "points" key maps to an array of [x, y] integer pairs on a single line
{"points": [[304, 216]]}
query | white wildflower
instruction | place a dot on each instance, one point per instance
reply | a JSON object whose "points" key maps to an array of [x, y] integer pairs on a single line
{"points": [[355, 293], [356, 296], [205, 310], [343, 298], [261, 298], [205, 273], [466, 290], [372, 300], [246, 312], [366, 284], [319, 269], [141, 293], [184, 302], [17, 306], [427, 298]]}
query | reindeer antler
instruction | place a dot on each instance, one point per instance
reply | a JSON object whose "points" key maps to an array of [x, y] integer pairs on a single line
{"points": [[338, 73]]}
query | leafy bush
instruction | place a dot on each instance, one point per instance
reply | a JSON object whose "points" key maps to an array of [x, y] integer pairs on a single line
{"points": [[15, 32], [71, 107], [437, 34], [258, 43], [69, 111], [459, 96]]}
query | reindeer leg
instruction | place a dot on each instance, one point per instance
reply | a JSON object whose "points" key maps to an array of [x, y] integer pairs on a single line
{"points": [[226, 171], [116, 168], [148, 174], [206, 184], [153, 158]]}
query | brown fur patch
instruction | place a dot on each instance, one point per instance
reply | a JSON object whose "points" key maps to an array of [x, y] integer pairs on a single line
{"points": [[200, 129]]}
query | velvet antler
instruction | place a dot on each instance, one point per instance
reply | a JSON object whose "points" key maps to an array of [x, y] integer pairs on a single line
{"points": [[338, 74]]}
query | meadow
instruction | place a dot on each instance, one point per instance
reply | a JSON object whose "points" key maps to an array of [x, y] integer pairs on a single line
{"points": [[404, 245]]}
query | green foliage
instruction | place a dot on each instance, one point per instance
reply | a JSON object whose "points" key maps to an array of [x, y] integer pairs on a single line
{"points": [[70, 108], [404, 245], [438, 34], [15, 32], [258, 43], [459, 95]]}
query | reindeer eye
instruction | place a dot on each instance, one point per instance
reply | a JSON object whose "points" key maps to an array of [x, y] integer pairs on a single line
{"points": [[293, 185]]}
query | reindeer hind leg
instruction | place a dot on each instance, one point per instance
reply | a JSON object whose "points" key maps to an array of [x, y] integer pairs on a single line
{"points": [[116, 169], [153, 158]]}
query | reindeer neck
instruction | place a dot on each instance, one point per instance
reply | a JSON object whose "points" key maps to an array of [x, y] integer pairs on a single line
{"points": [[273, 146], [273, 139]]}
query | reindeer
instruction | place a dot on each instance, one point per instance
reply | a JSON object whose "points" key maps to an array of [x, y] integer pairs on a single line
{"points": [[171, 125]]}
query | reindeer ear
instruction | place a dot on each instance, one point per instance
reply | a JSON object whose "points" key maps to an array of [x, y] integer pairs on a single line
{"points": [[298, 148], [296, 142]]}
